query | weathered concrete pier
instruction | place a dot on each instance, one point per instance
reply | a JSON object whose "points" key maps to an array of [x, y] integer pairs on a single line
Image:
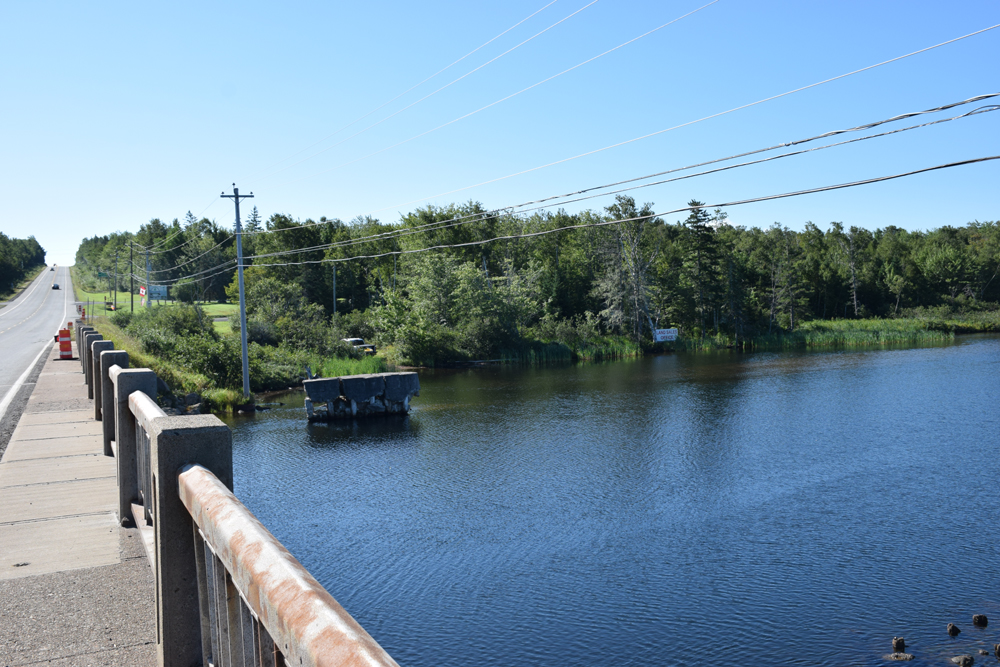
{"points": [[360, 395]]}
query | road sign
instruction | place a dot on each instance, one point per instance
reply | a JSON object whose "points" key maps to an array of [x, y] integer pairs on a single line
{"points": [[102, 274], [665, 335], [158, 292]]}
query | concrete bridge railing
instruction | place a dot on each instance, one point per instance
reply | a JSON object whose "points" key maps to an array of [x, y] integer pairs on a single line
{"points": [[227, 592]]}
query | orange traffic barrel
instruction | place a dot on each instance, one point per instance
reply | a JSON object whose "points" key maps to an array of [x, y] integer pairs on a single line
{"points": [[65, 345]]}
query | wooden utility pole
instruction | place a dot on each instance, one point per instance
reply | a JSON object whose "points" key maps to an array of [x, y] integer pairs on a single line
{"points": [[243, 302]]}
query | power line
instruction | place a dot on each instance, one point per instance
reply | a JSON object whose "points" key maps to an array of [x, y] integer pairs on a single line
{"points": [[439, 90], [438, 225], [411, 88], [194, 259], [228, 265], [504, 99], [604, 223], [692, 122], [471, 218], [445, 224]]}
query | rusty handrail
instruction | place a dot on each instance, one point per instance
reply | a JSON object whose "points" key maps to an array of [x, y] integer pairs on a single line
{"points": [[308, 626], [145, 409]]}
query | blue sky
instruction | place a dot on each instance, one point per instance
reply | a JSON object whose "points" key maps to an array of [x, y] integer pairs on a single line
{"points": [[116, 113]]}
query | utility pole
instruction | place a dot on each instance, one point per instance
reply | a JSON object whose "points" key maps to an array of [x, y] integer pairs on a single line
{"points": [[131, 278], [149, 297], [243, 302], [116, 281], [334, 289]]}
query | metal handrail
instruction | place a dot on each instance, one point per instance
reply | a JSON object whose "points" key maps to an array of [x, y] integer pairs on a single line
{"points": [[306, 626]]}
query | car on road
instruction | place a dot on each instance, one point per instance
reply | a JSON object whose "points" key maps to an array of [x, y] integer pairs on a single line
{"points": [[360, 344], [52, 268], [55, 285]]}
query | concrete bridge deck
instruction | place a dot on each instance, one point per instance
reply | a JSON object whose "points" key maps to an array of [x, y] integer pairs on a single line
{"points": [[75, 587]]}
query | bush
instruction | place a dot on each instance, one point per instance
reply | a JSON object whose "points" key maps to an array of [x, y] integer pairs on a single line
{"points": [[429, 345]]}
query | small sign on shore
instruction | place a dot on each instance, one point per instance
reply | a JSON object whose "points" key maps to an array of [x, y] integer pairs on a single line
{"points": [[665, 335]]}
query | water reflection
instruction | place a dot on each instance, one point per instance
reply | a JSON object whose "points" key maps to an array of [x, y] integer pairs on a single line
{"points": [[804, 508]]}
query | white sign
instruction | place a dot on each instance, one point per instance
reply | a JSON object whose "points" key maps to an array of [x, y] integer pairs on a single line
{"points": [[158, 292], [664, 335]]}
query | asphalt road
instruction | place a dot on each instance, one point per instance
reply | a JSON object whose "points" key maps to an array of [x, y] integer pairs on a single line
{"points": [[27, 326]]}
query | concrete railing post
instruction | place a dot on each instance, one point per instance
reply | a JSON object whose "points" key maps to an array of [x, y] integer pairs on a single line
{"points": [[126, 382], [81, 331], [97, 348], [88, 367], [176, 442], [109, 415]]}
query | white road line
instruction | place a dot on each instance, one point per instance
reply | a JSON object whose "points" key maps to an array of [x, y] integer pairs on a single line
{"points": [[17, 385]]}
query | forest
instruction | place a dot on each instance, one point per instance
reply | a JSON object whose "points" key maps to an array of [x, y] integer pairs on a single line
{"points": [[17, 258], [464, 283]]}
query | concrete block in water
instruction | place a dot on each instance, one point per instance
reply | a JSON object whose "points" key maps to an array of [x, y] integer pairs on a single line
{"points": [[362, 388], [360, 395], [321, 390], [400, 386]]}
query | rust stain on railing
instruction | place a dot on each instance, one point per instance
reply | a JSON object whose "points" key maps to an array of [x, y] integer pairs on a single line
{"points": [[145, 409], [308, 626]]}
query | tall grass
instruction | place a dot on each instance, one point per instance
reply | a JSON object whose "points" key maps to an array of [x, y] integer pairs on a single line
{"points": [[339, 366], [862, 333], [607, 348], [556, 352], [537, 353], [834, 333]]}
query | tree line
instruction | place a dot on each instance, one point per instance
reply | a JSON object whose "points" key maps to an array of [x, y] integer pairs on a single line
{"points": [[435, 287], [17, 258]]}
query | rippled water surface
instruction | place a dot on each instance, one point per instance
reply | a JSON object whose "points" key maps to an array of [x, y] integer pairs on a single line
{"points": [[765, 509]]}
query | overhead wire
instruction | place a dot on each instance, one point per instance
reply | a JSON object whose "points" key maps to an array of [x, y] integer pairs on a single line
{"points": [[504, 99], [604, 223], [447, 85], [433, 226], [194, 259], [408, 90], [686, 124], [225, 266]]}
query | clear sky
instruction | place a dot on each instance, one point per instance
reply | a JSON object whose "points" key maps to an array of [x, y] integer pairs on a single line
{"points": [[115, 113]]}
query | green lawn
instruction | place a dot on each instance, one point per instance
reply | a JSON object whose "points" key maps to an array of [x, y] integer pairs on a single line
{"points": [[126, 301], [220, 309]]}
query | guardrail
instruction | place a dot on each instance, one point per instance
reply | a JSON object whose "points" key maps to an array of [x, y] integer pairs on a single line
{"points": [[227, 592]]}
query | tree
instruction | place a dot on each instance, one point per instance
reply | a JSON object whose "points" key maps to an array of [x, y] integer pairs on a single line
{"points": [[624, 286], [701, 262]]}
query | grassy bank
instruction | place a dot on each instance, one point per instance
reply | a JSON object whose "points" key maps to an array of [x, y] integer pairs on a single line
{"points": [[209, 364], [181, 381]]}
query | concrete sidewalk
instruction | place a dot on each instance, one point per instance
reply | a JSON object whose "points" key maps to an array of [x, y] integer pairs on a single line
{"points": [[75, 588]]}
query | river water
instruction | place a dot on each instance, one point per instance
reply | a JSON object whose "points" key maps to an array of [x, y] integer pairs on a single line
{"points": [[758, 509]]}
